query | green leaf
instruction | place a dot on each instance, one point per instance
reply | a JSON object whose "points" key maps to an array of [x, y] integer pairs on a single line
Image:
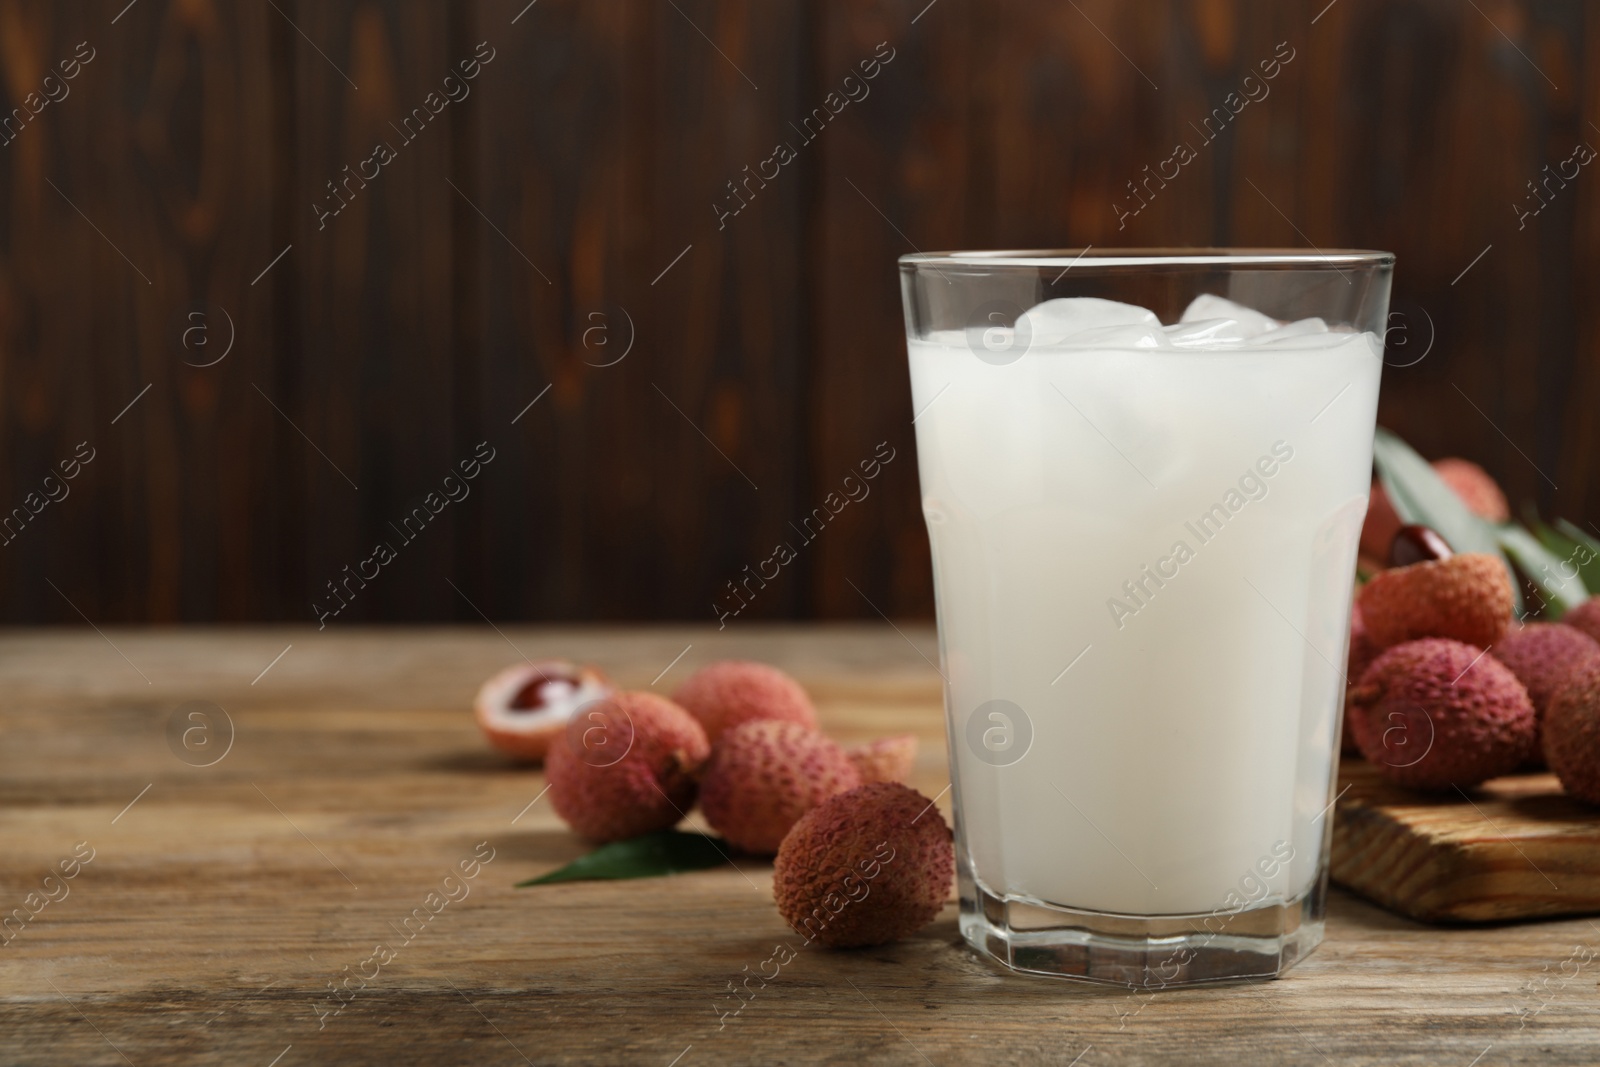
{"points": [[1585, 553], [1420, 496], [650, 856], [1548, 572], [1548, 536]]}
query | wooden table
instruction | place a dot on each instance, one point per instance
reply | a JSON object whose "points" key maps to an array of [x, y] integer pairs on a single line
{"points": [[221, 901]]}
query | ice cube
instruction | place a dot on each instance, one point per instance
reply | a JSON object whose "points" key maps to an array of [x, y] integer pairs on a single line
{"points": [[1128, 335], [1055, 321], [1205, 332], [1209, 306], [1298, 328]]}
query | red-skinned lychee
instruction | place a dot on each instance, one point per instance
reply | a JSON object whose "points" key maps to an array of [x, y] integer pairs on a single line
{"points": [[888, 759], [626, 766], [865, 867], [1572, 733], [729, 693], [1437, 713], [1465, 598], [763, 776]]}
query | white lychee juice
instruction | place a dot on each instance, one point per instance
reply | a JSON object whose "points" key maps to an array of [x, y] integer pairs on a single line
{"points": [[1144, 536]]}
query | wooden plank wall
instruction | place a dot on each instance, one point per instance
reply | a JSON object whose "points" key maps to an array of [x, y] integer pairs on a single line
{"points": [[574, 200]]}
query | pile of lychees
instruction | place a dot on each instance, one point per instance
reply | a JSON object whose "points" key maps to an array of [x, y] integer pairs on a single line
{"points": [[862, 859], [1445, 688]]}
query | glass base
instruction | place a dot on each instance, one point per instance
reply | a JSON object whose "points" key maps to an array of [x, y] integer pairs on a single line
{"points": [[1142, 952]]}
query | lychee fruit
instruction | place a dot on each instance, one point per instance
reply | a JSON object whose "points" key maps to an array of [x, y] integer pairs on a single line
{"points": [[763, 776], [1585, 617], [730, 692], [1467, 598], [1543, 655], [526, 706], [1572, 733], [865, 867], [1437, 713], [1378, 529], [1466, 479], [888, 759], [1481, 493], [1361, 656], [625, 766]]}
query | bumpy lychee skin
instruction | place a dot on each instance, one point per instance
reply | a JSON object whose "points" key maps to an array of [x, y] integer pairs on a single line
{"points": [[730, 692], [865, 868], [763, 776], [1572, 734], [1436, 713], [888, 759], [1481, 493], [626, 766], [1466, 598], [1361, 656], [1543, 655], [525, 707], [1585, 617]]}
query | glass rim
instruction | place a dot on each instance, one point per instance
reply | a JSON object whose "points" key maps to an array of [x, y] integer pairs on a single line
{"points": [[1237, 258]]}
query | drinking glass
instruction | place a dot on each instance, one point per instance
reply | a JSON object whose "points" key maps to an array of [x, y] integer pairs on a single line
{"points": [[1144, 475]]}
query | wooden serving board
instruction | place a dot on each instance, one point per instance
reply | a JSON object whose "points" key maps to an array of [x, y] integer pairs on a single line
{"points": [[1513, 848]]}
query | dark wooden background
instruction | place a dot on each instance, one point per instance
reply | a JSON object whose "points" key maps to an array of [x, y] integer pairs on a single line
{"points": [[768, 360]]}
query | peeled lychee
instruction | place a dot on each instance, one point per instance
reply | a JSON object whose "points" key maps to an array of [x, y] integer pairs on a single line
{"points": [[728, 693], [526, 706], [1467, 598], [1481, 493], [1361, 656], [763, 776], [1470, 482], [865, 867], [888, 759], [1437, 713], [1572, 733], [1585, 617], [625, 766]]}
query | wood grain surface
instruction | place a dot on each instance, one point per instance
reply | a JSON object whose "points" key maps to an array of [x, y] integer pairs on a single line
{"points": [[1513, 848], [569, 209], [221, 901]]}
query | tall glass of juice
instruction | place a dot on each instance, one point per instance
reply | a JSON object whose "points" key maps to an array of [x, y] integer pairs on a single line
{"points": [[1144, 475]]}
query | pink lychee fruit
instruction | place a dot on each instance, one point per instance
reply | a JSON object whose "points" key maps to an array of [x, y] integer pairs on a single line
{"points": [[763, 776], [1585, 617], [731, 692], [888, 759], [626, 766], [865, 867], [1437, 713], [1572, 733], [1543, 655]]}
